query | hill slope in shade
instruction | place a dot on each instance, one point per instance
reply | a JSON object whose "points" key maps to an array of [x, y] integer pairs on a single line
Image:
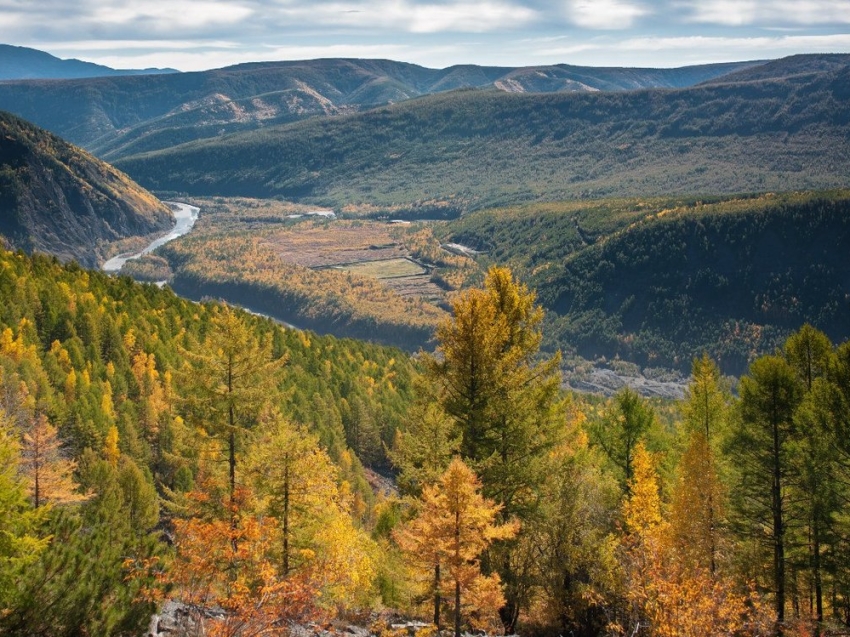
{"points": [[477, 149], [658, 282], [21, 63], [118, 116], [56, 198]]}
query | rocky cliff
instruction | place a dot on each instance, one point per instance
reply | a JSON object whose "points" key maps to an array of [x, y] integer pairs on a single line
{"points": [[57, 198]]}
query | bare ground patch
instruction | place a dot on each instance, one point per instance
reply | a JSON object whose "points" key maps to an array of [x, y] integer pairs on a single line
{"points": [[322, 244]]}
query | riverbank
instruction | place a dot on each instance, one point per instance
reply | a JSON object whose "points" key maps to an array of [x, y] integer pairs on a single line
{"points": [[185, 217]]}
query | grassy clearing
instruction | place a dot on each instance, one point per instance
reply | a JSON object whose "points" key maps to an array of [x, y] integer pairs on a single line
{"points": [[384, 269]]}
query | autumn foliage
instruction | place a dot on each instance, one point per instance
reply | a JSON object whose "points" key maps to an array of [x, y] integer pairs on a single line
{"points": [[228, 576], [668, 594], [445, 540], [153, 449]]}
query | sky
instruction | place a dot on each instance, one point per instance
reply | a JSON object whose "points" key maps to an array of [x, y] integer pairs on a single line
{"points": [[193, 35]]}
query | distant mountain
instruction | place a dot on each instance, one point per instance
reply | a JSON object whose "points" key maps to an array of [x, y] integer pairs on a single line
{"points": [[118, 116], [474, 149], [22, 63], [56, 198]]}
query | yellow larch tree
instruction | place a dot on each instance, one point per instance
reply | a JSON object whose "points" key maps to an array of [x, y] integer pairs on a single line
{"points": [[110, 447], [229, 380], [152, 394], [454, 526], [669, 596], [48, 472], [698, 507], [219, 566], [298, 485]]}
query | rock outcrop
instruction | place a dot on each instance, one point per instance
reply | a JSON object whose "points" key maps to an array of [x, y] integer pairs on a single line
{"points": [[57, 198]]}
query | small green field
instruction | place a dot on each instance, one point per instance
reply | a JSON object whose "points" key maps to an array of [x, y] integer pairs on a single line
{"points": [[384, 269]]}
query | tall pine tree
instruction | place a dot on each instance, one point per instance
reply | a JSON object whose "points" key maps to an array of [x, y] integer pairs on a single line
{"points": [[505, 401]]}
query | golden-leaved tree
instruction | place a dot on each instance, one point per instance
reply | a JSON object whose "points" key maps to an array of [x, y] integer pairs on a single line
{"points": [[48, 472], [455, 524], [218, 566], [698, 507], [505, 403], [298, 486], [229, 379], [667, 595]]}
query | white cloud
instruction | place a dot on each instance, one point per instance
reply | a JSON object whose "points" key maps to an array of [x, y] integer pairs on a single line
{"points": [[682, 51], [203, 34], [460, 16], [768, 12], [604, 14], [477, 17], [789, 43], [171, 14], [725, 12], [133, 45]]}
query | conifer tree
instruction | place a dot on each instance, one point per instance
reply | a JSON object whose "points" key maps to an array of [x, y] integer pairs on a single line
{"points": [[770, 395], [48, 472], [454, 526], [570, 544], [839, 439], [625, 426], [110, 448], [504, 401], [79, 586], [814, 475], [669, 596], [809, 352], [296, 482], [422, 453], [698, 508], [228, 381], [19, 543], [818, 481]]}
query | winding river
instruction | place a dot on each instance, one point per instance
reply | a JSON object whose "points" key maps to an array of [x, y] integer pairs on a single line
{"points": [[185, 217]]}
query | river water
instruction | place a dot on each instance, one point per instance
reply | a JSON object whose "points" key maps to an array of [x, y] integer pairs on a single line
{"points": [[185, 217]]}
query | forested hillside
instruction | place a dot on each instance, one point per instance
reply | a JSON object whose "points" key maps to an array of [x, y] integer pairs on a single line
{"points": [[57, 198], [155, 449], [117, 398], [114, 117], [658, 281], [475, 149]]}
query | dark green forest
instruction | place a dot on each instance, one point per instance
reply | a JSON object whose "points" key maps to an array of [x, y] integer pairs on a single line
{"points": [[658, 281]]}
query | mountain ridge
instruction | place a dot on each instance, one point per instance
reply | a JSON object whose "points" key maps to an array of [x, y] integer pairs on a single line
{"points": [[476, 149], [117, 116]]}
